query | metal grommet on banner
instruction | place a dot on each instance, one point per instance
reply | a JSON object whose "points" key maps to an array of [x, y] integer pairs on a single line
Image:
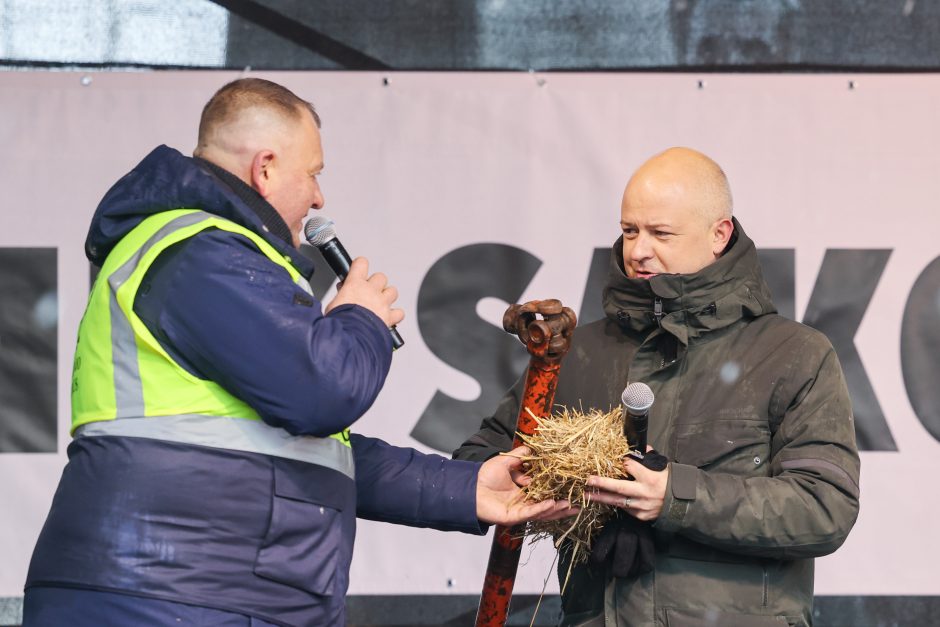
{"points": [[539, 80]]}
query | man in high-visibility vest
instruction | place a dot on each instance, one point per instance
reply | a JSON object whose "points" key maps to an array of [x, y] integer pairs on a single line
{"points": [[212, 479]]}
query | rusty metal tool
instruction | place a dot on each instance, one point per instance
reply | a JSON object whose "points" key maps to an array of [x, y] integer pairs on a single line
{"points": [[545, 327]]}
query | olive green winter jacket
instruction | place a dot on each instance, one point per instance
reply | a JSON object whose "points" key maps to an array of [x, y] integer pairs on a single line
{"points": [[753, 413]]}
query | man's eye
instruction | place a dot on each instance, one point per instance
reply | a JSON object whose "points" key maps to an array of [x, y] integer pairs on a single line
{"points": [[662, 233]]}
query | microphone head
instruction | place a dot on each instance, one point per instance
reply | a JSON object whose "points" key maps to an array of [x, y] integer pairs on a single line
{"points": [[637, 398], [319, 230]]}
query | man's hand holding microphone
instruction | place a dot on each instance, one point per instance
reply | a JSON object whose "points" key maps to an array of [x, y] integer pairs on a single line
{"points": [[356, 286]]}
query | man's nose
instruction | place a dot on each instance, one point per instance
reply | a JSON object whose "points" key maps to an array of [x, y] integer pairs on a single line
{"points": [[318, 200], [641, 248]]}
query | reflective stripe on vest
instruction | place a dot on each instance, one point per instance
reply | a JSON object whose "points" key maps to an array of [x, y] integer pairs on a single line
{"points": [[237, 435], [131, 386]]}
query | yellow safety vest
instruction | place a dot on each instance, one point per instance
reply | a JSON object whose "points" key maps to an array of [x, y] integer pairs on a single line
{"points": [[125, 383]]}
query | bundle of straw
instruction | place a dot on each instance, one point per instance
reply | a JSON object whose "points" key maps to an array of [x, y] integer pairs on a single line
{"points": [[566, 449]]}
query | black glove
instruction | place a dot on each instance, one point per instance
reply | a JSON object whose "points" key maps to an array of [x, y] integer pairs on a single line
{"points": [[651, 459], [625, 542]]}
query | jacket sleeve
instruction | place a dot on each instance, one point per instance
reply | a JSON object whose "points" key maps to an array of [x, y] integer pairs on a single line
{"points": [[808, 503], [406, 487], [497, 432], [227, 313]]}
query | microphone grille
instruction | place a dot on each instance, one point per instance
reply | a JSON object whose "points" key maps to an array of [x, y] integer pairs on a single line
{"points": [[319, 230], [637, 397]]}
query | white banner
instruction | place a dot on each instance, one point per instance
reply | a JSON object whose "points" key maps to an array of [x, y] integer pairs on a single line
{"points": [[422, 165]]}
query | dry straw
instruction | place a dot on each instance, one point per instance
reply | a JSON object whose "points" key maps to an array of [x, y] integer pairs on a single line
{"points": [[566, 449]]}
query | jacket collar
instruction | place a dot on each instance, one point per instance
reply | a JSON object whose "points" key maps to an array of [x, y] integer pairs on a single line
{"points": [[271, 220], [690, 305], [165, 180]]}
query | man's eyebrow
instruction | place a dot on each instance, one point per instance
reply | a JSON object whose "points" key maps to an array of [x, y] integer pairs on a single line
{"points": [[651, 225]]}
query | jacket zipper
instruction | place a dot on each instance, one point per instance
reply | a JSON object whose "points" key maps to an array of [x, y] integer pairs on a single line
{"points": [[766, 585], [658, 315], [658, 312]]}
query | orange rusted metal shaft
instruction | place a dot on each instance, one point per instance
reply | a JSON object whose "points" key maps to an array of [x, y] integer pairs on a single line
{"points": [[547, 341]]}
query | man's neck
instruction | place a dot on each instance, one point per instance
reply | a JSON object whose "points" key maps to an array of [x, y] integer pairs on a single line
{"points": [[269, 216]]}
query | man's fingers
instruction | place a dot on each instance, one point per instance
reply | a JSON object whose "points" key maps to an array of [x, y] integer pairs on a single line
{"points": [[358, 269], [390, 293], [607, 498], [562, 509], [521, 479], [514, 457], [615, 486], [636, 468], [378, 280], [548, 510], [514, 462], [371, 292], [558, 510], [537, 511]]}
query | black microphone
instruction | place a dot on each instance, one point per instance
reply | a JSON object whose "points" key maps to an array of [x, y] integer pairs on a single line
{"points": [[637, 399], [321, 234]]}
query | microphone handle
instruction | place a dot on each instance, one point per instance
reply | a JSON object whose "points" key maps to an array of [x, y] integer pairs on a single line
{"points": [[336, 257], [339, 261], [634, 428], [640, 423]]}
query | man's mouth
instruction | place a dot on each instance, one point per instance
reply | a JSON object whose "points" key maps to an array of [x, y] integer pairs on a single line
{"points": [[640, 274]]}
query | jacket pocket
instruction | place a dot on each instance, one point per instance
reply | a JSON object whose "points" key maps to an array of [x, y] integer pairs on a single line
{"points": [[739, 446], [302, 543], [712, 618]]}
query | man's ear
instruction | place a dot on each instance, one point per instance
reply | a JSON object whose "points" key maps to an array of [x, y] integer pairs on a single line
{"points": [[721, 234], [262, 172]]}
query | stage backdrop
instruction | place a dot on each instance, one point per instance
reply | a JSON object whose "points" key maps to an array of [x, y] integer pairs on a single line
{"points": [[474, 190]]}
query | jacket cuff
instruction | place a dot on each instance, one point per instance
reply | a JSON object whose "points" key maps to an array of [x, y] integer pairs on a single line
{"points": [[466, 474], [680, 493]]}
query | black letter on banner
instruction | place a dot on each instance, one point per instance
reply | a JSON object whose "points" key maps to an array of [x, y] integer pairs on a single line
{"points": [[452, 330], [920, 347], [844, 288], [779, 268], [592, 305], [29, 323]]}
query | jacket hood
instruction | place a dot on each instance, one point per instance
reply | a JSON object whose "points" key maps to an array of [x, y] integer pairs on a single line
{"points": [[717, 296], [167, 180]]}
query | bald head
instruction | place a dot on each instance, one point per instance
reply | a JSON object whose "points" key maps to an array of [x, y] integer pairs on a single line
{"points": [[675, 214], [685, 176]]}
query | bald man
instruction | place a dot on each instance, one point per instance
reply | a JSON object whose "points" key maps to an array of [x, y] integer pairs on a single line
{"points": [[751, 412], [212, 479]]}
